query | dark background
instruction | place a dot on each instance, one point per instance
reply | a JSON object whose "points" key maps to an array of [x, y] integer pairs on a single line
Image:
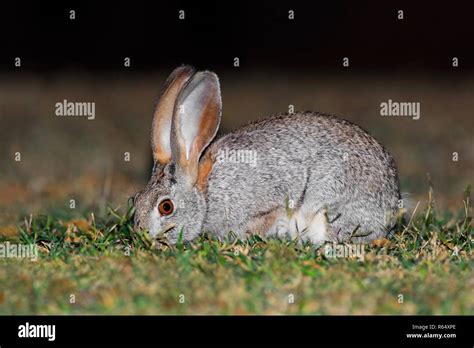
{"points": [[258, 32]]}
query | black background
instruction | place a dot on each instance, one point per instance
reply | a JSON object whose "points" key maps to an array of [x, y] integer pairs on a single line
{"points": [[258, 32], [243, 330]]}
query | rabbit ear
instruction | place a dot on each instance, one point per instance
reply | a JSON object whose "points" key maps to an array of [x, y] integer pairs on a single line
{"points": [[197, 115], [163, 115]]}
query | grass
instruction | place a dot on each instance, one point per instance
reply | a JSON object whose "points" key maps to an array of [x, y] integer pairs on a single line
{"points": [[102, 266]]}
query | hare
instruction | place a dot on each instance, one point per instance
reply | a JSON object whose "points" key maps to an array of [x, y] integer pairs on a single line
{"points": [[306, 175]]}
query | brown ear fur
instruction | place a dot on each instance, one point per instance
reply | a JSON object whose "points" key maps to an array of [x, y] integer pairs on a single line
{"points": [[162, 117], [205, 167]]}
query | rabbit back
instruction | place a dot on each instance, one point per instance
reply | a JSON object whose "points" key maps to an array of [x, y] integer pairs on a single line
{"points": [[293, 169]]}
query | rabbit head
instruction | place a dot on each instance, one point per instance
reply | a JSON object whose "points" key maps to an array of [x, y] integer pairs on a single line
{"points": [[185, 121]]}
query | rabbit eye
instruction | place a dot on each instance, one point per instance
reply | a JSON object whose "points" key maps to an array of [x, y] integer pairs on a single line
{"points": [[166, 207]]}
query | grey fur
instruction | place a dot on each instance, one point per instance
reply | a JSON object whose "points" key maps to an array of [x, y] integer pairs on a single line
{"points": [[318, 161]]}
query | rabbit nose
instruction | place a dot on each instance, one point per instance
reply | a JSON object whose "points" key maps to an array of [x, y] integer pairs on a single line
{"points": [[133, 199], [137, 222]]}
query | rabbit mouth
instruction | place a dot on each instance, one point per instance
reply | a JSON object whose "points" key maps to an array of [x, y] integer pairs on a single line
{"points": [[165, 230]]}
